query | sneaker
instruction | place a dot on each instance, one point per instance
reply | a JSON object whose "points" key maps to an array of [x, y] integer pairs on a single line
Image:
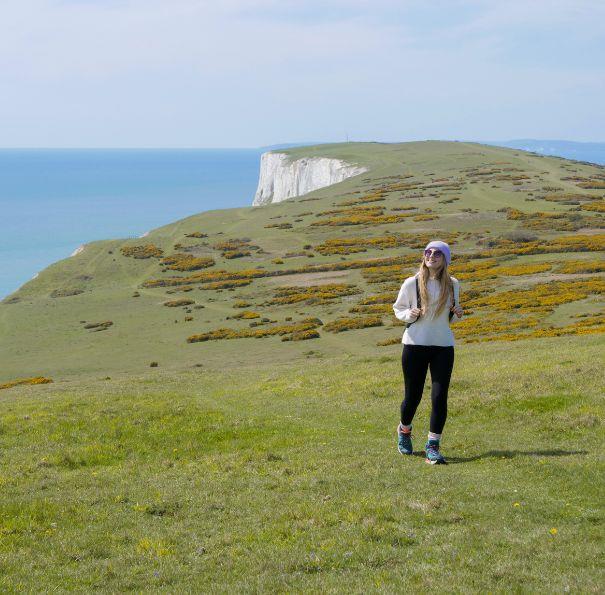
{"points": [[433, 456], [404, 442]]}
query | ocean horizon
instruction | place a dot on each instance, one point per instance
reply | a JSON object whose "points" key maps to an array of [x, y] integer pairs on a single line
{"points": [[54, 200]]}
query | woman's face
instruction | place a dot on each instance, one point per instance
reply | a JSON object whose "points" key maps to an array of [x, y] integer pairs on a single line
{"points": [[434, 259]]}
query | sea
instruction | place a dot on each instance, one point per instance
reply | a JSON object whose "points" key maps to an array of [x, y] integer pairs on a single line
{"points": [[54, 200]]}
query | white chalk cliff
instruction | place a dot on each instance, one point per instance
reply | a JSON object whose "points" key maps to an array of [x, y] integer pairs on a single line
{"points": [[282, 178]]}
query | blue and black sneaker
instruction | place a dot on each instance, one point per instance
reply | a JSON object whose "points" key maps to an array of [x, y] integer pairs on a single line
{"points": [[433, 456], [404, 441]]}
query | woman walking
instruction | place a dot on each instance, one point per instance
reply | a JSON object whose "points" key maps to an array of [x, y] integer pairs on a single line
{"points": [[427, 302]]}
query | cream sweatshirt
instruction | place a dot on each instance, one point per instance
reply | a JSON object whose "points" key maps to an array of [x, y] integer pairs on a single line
{"points": [[426, 330]]}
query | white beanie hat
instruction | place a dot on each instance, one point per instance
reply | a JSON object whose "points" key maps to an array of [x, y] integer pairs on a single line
{"points": [[443, 247]]}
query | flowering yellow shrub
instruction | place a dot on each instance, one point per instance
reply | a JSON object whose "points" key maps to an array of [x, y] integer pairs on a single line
{"points": [[493, 323], [570, 243], [374, 197], [372, 309], [593, 184], [301, 336], [313, 294], [206, 277], [225, 333], [511, 178], [186, 262], [361, 244], [236, 253], [523, 269], [359, 215], [226, 284], [474, 269], [388, 272], [241, 304], [146, 251], [584, 327], [552, 221], [379, 298], [598, 207], [246, 314], [567, 197], [235, 248], [20, 381], [425, 217], [345, 324], [581, 266], [475, 171], [542, 296], [280, 225], [178, 303]]}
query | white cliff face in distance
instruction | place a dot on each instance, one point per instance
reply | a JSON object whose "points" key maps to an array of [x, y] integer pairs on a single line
{"points": [[282, 178]]}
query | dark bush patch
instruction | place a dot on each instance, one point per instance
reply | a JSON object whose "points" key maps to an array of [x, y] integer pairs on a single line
{"points": [[99, 326], [65, 292]]}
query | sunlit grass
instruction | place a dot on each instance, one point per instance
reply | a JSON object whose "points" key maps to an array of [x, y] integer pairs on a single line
{"points": [[288, 478]]}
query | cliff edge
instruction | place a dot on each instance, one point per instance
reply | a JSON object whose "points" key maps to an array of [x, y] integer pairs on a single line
{"points": [[282, 178]]}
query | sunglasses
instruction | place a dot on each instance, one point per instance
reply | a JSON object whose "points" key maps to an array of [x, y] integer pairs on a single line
{"points": [[435, 253]]}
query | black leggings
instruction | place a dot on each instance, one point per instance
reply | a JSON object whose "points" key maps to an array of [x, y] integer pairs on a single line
{"points": [[415, 359]]}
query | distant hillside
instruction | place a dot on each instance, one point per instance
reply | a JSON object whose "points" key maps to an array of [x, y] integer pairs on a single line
{"points": [[317, 275], [590, 152]]}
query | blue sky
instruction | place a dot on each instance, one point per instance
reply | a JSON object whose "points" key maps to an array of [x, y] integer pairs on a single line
{"points": [[234, 73]]}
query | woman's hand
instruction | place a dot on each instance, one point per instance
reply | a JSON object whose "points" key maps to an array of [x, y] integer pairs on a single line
{"points": [[415, 312], [457, 310]]}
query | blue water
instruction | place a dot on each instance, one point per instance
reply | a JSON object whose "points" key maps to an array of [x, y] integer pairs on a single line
{"points": [[54, 200], [591, 152]]}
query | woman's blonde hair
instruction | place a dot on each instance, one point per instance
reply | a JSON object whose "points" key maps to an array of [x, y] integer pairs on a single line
{"points": [[446, 292]]}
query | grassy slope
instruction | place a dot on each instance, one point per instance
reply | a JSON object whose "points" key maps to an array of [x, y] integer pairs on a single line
{"points": [[42, 335], [287, 478], [273, 467]]}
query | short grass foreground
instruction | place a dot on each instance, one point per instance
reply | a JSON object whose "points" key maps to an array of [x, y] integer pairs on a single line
{"points": [[287, 478]]}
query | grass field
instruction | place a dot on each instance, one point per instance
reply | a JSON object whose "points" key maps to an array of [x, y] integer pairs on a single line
{"points": [[286, 477], [463, 187], [240, 461]]}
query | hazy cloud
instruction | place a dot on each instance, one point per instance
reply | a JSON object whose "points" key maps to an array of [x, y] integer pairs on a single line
{"points": [[235, 73]]}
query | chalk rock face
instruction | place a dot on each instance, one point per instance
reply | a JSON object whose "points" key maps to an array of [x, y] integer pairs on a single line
{"points": [[282, 178]]}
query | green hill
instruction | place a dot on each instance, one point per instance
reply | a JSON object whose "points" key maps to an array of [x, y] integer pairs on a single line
{"points": [[526, 233], [286, 478], [258, 464]]}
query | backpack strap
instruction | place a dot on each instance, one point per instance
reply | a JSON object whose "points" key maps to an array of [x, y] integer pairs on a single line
{"points": [[418, 304], [454, 295]]}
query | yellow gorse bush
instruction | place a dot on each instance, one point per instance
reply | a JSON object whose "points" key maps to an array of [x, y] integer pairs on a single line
{"points": [[344, 324], [599, 206], [313, 294], [249, 274], [542, 296], [581, 266], [306, 324], [361, 244], [186, 262], [20, 381], [145, 251], [178, 303]]}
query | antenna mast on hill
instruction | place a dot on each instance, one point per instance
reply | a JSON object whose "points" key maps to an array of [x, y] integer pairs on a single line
{"points": [[347, 136]]}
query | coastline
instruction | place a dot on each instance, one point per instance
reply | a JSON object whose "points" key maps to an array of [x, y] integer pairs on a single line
{"points": [[111, 194]]}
